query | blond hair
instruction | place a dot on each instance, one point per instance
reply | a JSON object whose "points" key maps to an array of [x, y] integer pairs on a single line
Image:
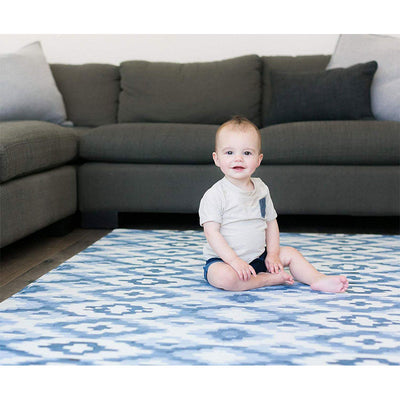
{"points": [[241, 123]]}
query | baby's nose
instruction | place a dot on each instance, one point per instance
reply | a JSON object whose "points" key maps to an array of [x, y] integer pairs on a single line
{"points": [[238, 157]]}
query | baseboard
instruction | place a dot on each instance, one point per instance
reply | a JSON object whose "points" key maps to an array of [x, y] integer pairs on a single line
{"points": [[99, 220]]}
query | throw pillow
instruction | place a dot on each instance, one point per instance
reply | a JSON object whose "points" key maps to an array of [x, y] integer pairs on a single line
{"points": [[27, 87], [385, 89], [338, 94]]}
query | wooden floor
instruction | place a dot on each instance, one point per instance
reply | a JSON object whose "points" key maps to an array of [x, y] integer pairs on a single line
{"points": [[28, 259]]}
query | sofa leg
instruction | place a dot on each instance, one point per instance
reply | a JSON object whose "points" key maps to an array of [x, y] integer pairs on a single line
{"points": [[62, 227], [99, 220]]}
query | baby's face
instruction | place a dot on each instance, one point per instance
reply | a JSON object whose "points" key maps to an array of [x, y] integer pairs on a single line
{"points": [[237, 153]]}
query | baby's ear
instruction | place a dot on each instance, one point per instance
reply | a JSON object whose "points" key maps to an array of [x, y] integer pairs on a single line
{"points": [[215, 158], [260, 157]]}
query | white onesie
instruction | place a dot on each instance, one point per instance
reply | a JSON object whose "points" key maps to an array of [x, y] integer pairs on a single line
{"points": [[243, 216]]}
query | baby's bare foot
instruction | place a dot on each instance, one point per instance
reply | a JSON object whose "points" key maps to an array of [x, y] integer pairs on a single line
{"points": [[287, 278], [331, 283], [281, 278], [277, 279]]}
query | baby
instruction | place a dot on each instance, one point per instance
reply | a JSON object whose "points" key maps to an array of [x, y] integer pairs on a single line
{"points": [[239, 221]]}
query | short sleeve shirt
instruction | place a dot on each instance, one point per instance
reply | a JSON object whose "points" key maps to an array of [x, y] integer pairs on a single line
{"points": [[243, 216]]}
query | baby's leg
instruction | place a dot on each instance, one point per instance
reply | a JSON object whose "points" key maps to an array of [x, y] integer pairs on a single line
{"points": [[223, 276], [304, 272]]}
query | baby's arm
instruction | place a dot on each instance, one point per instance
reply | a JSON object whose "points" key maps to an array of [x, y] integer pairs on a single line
{"points": [[272, 261], [224, 251]]}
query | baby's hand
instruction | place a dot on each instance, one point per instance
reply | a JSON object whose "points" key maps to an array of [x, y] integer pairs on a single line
{"points": [[273, 264], [243, 269]]}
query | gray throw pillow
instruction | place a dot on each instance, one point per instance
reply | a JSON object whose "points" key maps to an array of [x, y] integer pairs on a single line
{"points": [[385, 88], [27, 87], [337, 94]]}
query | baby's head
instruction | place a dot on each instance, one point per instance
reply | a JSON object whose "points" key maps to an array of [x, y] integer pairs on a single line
{"points": [[238, 149], [241, 126]]}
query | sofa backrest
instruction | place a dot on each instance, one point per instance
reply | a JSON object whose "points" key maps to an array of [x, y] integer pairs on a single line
{"points": [[198, 92], [90, 92], [203, 92]]}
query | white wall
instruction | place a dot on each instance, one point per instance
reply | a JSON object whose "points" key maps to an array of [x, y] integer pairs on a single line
{"points": [[77, 49], [185, 31], [114, 48]]}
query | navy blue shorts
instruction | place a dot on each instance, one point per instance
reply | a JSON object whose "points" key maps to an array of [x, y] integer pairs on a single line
{"points": [[258, 264]]}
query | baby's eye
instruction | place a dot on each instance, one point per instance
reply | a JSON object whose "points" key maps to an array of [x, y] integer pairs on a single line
{"points": [[247, 153], [229, 152]]}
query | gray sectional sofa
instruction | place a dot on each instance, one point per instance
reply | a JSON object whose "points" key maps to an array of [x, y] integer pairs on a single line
{"points": [[143, 136], [38, 184]]}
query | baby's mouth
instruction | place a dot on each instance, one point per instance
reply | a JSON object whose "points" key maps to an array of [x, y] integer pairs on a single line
{"points": [[238, 168]]}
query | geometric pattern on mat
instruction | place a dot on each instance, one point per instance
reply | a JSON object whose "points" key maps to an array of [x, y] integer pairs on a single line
{"points": [[138, 297]]}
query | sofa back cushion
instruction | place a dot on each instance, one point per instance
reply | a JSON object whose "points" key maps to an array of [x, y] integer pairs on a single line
{"points": [[202, 92], [90, 92], [273, 65]]}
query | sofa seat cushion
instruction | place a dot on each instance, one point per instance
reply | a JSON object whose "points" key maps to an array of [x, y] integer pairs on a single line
{"points": [[32, 146], [332, 143], [156, 143]]}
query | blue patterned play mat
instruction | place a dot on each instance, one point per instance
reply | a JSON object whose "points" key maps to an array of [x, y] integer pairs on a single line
{"points": [[139, 297]]}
